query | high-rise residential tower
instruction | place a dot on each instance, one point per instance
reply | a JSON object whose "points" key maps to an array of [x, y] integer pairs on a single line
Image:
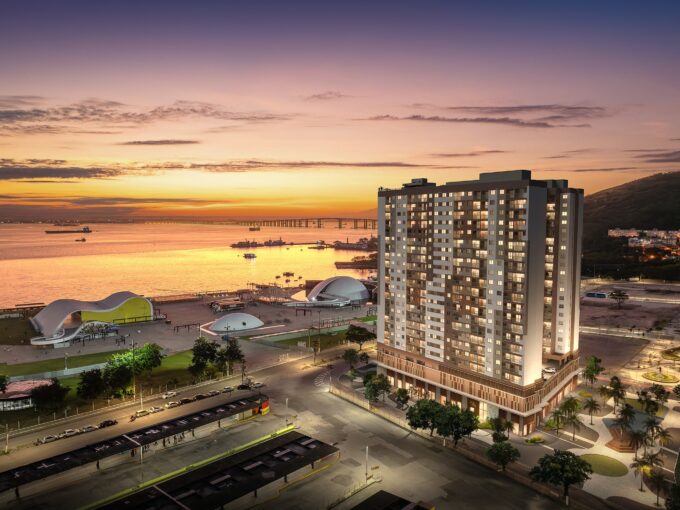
{"points": [[479, 284]]}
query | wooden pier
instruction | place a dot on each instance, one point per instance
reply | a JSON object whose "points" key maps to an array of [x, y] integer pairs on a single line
{"points": [[356, 223]]}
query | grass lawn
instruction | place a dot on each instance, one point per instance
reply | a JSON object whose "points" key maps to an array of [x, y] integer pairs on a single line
{"points": [[51, 365], [328, 340], [605, 466], [16, 331], [638, 407], [369, 318], [173, 370]]}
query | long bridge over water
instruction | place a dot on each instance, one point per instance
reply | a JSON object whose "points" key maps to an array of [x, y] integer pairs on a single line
{"points": [[363, 223]]}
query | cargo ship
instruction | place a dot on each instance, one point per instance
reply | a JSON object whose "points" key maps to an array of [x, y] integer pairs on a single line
{"points": [[84, 230]]}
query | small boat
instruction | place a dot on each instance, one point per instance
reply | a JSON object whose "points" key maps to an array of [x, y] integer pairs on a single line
{"points": [[249, 256], [254, 229], [288, 273], [278, 276], [81, 240], [84, 230]]}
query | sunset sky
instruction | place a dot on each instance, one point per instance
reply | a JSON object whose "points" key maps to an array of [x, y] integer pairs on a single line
{"points": [[258, 109]]}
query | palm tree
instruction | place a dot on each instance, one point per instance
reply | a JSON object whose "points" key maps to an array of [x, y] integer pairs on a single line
{"points": [[569, 406], [652, 428], [574, 421], [557, 417], [656, 481], [664, 438], [654, 459], [625, 417], [639, 466], [592, 406], [606, 393], [637, 439]]}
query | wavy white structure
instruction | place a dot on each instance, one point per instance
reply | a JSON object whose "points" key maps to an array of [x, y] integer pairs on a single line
{"points": [[50, 320], [339, 289], [237, 321]]}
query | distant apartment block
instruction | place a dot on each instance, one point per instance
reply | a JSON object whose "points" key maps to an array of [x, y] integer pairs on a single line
{"points": [[480, 285]]}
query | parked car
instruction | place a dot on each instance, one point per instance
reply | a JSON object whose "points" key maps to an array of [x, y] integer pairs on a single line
{"points": [[186, 400], [213, 393], [549, 370], [69, 433], [155, 409], [172, 404], [243, 387], [89, 428], [257, 385], [200, 396], [48, 439], [141, 412], [227, 389], [169, 394], [108, 423]]}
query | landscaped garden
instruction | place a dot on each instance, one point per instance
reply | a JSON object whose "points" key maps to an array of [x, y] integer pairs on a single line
{"points": [[54, 364], [660, 378], [604, 465]]}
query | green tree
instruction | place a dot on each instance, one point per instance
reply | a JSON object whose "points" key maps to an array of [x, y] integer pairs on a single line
{"points": [[148, 357], [4, 381], [638, 438], [591, 406], [676, 391], [226, 357], [204, 351], [351, 356], [401, 398], [561, 468], [625, 417], [117, 376], [620, 296], [358, 335], [364, 358], [371, 391], [455, 423], [49, 397], [573, 421], [673, 497], [570, 406], [501, 429], [592, 369], [660, 393], [605, 393], [502, 454], [91, 384], [656, 482], [557, 418], [639, 467], [423, 415], [664, 438], [382, 385]]}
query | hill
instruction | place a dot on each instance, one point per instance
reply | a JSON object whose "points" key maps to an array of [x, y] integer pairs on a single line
{"points": [[652, 202]]}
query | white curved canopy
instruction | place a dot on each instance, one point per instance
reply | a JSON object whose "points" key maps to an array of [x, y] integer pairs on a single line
{"points": [[339, 288], [51, 318], [237, 321]]}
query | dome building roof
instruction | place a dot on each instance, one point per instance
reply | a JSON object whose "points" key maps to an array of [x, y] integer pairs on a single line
{"points": [[237, 321], [339, 288]]}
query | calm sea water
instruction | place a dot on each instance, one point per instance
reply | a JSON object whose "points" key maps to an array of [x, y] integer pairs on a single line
{"points": [[155, 259]]}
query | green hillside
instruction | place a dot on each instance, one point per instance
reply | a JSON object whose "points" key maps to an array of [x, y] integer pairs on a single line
{"points": [[652, 202]]}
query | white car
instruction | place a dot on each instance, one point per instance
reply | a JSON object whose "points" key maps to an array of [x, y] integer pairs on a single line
{"points": [[549, 370], [169, 394], [171, 404], [89, 428], [48, 439], [257, 385], [155, 409], [69, 433]]}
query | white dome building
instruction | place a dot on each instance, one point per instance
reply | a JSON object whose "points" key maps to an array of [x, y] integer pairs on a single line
{"points": [[339, 289], [238, 321]]}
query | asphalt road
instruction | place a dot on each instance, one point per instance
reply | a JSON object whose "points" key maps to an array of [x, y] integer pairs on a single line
{"points": [[408, 465]]}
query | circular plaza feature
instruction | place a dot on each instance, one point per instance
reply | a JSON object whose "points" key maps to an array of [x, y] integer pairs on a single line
{"points": [[660, 378], [237, 321]]}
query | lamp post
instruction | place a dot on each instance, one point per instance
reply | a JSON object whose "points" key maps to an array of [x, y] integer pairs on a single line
{"points": [[65, 361], [134, 379]]}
